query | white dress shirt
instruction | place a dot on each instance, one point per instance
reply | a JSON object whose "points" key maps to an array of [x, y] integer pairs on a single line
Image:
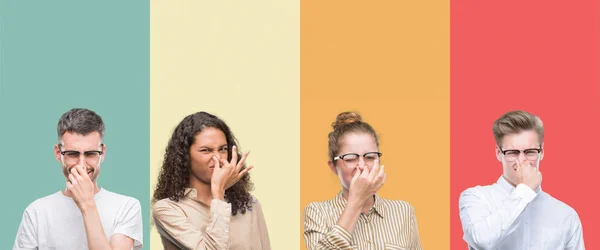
{"points": [[500, 216]]}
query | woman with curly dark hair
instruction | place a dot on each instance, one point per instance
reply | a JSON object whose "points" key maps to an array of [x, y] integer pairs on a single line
{"points": [[202, 198]]}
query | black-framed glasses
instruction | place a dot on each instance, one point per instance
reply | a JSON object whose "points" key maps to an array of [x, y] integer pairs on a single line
{"points": [[351, 160], [72, 156], [531, 154]]}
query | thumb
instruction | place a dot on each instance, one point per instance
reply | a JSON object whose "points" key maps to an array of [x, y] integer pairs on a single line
{"points": [[356, 175]]}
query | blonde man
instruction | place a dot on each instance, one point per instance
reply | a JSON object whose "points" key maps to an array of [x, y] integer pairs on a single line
{"points": [[514, 212]]}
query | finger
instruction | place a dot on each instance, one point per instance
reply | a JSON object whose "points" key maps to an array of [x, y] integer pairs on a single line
{"points": [[377, 175], [520, 168], [224, 163], [381, 174], [75, 172], [245, 171], [357, 173], [376, 163], [69, 186], [374, 171], [217, 163], [216, 171], [72, 179], [241, 163], [79, 178], [234, 155], [520, 171], [379, 185], [365, 172], [82, 171]]}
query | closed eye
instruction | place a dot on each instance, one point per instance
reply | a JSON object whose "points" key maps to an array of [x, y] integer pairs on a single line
{"points": [[72, 154]]}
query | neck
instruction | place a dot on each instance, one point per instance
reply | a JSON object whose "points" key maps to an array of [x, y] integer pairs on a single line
{"points": [[203, 190], [508, 180]]}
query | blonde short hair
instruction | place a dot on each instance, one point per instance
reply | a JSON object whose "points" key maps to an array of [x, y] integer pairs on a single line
{"points": [[515, 122]]}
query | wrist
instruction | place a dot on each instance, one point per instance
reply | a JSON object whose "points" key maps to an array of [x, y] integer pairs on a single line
{"points": [[218, 193], [354, 205], [533, 187], [87, 207]]}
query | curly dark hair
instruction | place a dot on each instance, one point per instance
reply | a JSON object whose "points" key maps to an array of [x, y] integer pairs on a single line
{"points": [[176, 168]]}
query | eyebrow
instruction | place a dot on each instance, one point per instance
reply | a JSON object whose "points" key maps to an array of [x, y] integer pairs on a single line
{"points": [[207, 147], [512, 149], [60, 145], [65, 149], [81, 151]]}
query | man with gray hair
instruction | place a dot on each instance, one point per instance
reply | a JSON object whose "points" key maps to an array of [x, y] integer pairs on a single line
{"points": [[83, 215], [514, 213]]}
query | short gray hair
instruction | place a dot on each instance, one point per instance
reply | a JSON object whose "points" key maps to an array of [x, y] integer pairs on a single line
{"points": [[80, 121]]}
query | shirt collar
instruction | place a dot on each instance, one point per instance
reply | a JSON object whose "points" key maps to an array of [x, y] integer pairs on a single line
{"points": [[378, 207], [188, 192], [191, 193]]}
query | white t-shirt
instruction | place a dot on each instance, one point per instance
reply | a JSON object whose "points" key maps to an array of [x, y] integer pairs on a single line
{"points": [[55, 221]]}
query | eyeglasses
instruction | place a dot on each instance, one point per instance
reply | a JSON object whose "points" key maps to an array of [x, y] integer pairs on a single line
{"points": [[531, 154], [72, 157], [351, 160]]}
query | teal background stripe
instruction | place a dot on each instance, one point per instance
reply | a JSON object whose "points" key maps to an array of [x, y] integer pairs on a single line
{"points": [[57, 55]]}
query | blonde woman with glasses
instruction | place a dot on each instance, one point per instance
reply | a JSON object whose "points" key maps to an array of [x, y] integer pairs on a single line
{"points": [[357, 218]]}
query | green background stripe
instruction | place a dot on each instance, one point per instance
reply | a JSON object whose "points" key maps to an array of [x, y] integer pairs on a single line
{"points": [[57, 55]]}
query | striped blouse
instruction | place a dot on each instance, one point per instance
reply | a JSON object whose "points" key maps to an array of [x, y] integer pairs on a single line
{"points": [[391, 224]]}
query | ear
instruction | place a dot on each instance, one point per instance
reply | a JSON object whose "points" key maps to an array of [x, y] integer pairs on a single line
{"points": [[332, 167], [57, 154], [498, 154], [542, 153], [103, 153]]}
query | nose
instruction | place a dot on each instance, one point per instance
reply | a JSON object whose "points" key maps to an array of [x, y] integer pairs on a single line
{"points": [[362, 164], [217, 155], [81, 160], [521, 158]]}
